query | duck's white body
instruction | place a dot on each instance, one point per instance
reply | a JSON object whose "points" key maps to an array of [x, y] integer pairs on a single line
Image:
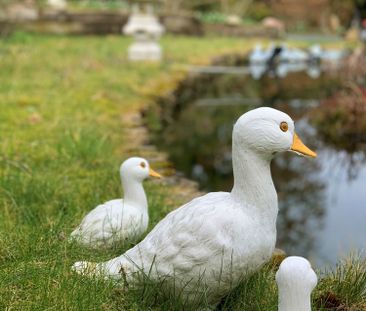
{"points": [[326, 55], [112, 222], [295, 280], [208, 245], [204, 248], [118, 220], [292, 55], [260, 56]]}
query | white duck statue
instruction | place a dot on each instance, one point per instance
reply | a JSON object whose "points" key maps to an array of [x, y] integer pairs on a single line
{"points": [[204, 248], [293, 55], [119, 220], [258, 55], [295, 280]]}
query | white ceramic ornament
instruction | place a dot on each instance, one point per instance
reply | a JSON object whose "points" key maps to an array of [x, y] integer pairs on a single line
{"points": [[295, 280], [146, 29], [120, 219], [206, 247]]}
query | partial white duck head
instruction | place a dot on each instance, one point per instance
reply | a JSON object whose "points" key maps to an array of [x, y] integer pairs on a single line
{"points": [[137, 169], [266, 131], [295, 280]]}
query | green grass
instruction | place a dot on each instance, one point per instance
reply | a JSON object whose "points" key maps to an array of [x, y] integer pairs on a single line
{"points": [[62, 140], [95, 4]]}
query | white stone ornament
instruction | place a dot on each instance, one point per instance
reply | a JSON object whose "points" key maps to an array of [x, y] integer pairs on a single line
{"points": [[146, 30], [119, 220], [295, 280], [207, 246]]}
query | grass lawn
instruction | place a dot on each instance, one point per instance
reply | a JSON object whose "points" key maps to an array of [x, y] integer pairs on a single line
{"points": [[62, 139]]}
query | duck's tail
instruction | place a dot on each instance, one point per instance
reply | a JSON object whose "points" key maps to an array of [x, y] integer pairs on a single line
{"points": [[86, 268], [84, 239], [116, 268], [76, 236]]}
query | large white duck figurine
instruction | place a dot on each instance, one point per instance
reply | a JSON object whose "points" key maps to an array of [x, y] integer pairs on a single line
{"points": [[295, 280], [119, 220], [205, 248]]}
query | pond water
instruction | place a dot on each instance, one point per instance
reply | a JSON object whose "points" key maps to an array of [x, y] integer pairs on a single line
{"points": [[322, 201]]}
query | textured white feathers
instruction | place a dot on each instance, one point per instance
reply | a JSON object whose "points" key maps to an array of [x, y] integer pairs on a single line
{"points": [[198, 249], [111, 222]]}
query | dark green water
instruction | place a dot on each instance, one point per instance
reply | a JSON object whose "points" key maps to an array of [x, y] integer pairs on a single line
{"points": [[322, 201]]}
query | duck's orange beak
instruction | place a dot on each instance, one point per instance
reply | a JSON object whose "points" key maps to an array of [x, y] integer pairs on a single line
{"points": [[299, 147], [152, 173]]}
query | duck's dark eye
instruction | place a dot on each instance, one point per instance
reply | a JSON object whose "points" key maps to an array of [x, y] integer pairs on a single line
{"points": [[284, 126], [143, 164]]}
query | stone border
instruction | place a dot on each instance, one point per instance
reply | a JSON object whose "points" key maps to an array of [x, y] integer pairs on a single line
{"points": [[181, 188], [102, 22]]}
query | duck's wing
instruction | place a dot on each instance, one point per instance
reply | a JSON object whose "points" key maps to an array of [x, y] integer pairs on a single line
{"points": [[188, 236], [100, 223]]}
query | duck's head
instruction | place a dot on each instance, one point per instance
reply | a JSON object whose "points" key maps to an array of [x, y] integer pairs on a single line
{"points": [[267, 131], [296, 273], [138, 169]]}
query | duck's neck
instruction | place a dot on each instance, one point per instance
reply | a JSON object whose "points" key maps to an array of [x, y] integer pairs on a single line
{"points": [[134, 193], [253, 185], [291, 300]]}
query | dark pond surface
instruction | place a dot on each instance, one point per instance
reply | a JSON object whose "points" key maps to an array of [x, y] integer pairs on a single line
{"points": [[322, 201]]}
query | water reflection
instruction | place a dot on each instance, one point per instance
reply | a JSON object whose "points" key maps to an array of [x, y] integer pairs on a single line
{"points": [[301, 202], [197, 131], [341, 122]]}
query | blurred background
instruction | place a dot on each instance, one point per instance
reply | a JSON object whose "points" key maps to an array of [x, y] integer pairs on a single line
{"points": [[192, 17], [216, 59]]}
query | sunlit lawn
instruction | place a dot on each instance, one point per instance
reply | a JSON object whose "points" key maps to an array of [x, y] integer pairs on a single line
{"points": [[62, 140]]}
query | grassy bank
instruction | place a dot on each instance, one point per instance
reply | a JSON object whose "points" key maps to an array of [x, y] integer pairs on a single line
{"points": [[62, 139]]}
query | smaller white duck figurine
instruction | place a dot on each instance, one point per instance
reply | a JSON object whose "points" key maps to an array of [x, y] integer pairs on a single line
{"points": [[295, 280], [120, 219]]}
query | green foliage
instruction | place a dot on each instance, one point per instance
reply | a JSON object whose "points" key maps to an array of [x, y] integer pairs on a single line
{"points": [[212, 17], [343, 288], [260, 284], [258, 10], [235, 7]]}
